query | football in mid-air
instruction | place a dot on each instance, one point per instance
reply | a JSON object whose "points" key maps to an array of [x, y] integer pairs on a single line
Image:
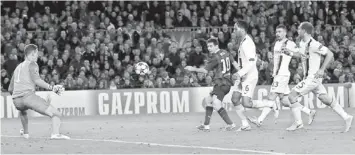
{"points": [[141, 68]]}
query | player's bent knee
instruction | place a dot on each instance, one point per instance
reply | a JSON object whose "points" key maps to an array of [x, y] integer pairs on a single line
{"points": [[246, 101], [217, 104], [285, 101], [51, 111], [272, 96], [23, 113], [207, 102], [293, 97], [236, 98], [325, 98]]}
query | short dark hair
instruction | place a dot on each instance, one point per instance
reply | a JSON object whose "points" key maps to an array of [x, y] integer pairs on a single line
{"points": [[212, 40], [242, 24], [307, 26], [281, 27], [30, 48]]}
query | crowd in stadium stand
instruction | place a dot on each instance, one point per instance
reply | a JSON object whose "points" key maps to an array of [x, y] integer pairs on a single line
{"points": [[94, 45]]}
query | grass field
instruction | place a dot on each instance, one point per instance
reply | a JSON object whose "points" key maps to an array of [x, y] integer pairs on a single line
{"points": [[176, 133]]}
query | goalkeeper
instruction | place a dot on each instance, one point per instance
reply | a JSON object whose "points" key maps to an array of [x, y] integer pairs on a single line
{"points": [[22, 88]]}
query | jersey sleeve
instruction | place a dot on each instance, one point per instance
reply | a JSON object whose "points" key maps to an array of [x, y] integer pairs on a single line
{"points": [[34, 73], [292, 46], [276, 61], [319, 48], [212, 63], [249, 50]]}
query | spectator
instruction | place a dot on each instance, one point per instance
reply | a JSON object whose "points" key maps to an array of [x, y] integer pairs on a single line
{"points": [[5, 80], [11, 64], [172, 83], [196, 58], [113, 85], [89, 44]]}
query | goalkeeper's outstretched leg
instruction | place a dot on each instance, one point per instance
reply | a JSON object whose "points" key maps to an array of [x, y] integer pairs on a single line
{"points": [[40, 105]]}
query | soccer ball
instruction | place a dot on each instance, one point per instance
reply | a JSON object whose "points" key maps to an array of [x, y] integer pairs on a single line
{"points": [[141, 68]]}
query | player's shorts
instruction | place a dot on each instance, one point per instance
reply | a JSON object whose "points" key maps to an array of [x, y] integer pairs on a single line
{"points": [[310, 85], [31, 101], [280, 84], [221, 88], [246, 86]]}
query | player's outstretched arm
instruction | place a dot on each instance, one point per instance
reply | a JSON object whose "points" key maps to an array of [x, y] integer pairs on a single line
{"points": [[211, 64], [293, 52], [37, 79], [201, 70]]}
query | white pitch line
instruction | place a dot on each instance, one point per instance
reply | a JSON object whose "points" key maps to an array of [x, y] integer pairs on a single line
{"points": [[162, 145]]}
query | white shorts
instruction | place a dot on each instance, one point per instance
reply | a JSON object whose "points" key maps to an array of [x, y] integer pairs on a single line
{"points": [[207, 101], [246, 87], [280, 84], [310, 85]]}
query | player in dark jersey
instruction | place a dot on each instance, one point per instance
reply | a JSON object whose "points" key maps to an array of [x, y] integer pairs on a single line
{"points": [[220, 63]]}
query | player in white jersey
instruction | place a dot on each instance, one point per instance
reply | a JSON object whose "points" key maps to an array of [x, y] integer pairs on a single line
{"points": [[247, 76], [311, 52], [281, 74]]}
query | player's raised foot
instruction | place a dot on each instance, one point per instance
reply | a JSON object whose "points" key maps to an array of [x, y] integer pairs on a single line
{"points": [[59, 136], [348, 123], [229, 127], [295, 126], [311, 116], [203, 127], [255, 121], [244, 128], [22, 133]]}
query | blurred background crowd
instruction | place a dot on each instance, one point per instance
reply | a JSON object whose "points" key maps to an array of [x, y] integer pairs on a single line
{"points": [[94, 45]]}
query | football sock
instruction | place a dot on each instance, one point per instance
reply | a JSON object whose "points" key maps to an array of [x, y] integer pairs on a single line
{"points": [[263, 114], [24, 121], [306, 110], [261, 104], [338, 109], [223, 113], [55, 125], [296, 111], [208, 115], [240, 113]]}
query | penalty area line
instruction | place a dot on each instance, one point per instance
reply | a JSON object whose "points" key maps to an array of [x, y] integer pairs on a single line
{"points": [[158, 144]]}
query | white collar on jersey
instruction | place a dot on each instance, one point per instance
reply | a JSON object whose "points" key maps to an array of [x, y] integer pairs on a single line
{"points": [[283, 40], [308, 40]]}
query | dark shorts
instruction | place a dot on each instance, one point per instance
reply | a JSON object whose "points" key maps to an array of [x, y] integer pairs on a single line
{"points": [[31, 101], [221, 88]]}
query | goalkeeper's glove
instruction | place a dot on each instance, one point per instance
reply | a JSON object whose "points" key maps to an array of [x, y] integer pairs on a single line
{"points": [[58, 89]]}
